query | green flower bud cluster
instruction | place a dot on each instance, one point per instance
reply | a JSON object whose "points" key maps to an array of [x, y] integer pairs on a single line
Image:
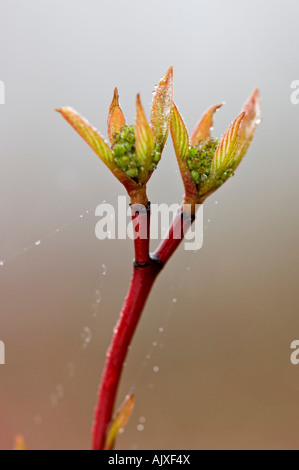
{"points": [[124, 151], [199, 162], [200, 159]]}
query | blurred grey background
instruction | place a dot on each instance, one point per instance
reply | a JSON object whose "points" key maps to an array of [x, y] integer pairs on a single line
{"points": [[229, 312]]}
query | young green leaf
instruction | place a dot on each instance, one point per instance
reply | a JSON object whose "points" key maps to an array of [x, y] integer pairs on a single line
{"points": [[98, 145], [227, 149], [116, 119], [161, 108], [119, 421], [89, 134], [180, 140], [144, 140]]}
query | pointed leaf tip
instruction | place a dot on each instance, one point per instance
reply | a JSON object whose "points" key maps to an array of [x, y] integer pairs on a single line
{"points": [[116, 119], [161, 108], [89, 134], [144, 140], [253, 117], [119, 421], [202, 130], [98, 145]]}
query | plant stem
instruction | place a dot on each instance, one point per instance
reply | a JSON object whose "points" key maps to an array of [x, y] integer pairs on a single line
{"points": [[146, 270], [141, 284]]}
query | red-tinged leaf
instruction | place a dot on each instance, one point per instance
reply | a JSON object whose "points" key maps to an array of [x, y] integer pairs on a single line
{"points": [[224, 155], [161, 108], [253, 117], [20, 443], [144, 141], [116, 118], [180, 140], [89, 134], [98, 145], [202, 130], [119, 421], [179, 134], [227, 148]]}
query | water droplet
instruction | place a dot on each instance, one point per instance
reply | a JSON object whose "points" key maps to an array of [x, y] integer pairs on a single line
{"points": [[140, 427], [81, 216], [216, 202], [258, 121], [188, 268], [155, 343], [53, 400], [57, 230], [71, 370], [161, 329], [121, 431], [59, 391], [174, 301], [209, 220], [211, 129], [104, 270], [1, 263], [94, 310], [156, 369], [142, 419], [87, 212], [148, 356], [37, 243], [86, 336]]}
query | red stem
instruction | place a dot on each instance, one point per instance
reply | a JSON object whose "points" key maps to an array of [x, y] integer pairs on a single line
{"points": [[175, 236], [141, 217], [146, 270]]}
